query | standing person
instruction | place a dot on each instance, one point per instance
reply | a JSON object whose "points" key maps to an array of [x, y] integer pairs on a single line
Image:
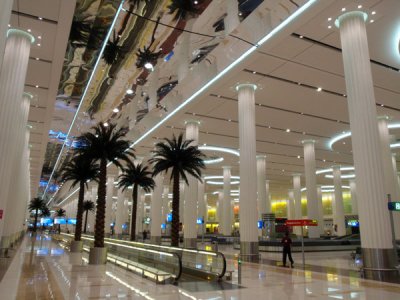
{"points": [[144, 235], [287, 242]]}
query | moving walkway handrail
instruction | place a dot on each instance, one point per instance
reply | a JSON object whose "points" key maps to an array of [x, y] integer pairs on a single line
{"points": [[169, 249], [139, 249]]}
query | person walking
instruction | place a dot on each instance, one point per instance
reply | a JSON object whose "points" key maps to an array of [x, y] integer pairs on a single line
{"points": [[287, 251]]}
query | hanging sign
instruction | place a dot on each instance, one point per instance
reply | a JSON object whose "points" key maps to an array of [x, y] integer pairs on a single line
{"points": [[301, 222]]}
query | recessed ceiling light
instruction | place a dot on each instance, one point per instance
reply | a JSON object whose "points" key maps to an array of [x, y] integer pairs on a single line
{"points": [[319, 89], [329, 27], [324, 160], [360, 6], [148, 66], [40, 18], [115, 110], [329, 19], [254, 72], [288, 130], [39, 37], [373, 13], [29, 30], [36, 86], [129, 92], [9, 25], [229, 120], [382, 105], [301, 36], [343, 8], [105, 124], [371, 21], [298, 156], [39, 45], [37, 58], [196, 2]]}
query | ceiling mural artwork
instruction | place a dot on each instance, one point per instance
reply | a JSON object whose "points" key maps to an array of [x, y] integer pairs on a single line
{"points": [[137, 68]]}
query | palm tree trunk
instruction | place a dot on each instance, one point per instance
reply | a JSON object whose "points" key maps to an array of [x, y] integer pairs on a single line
{"points": [[84, 229], [101, 205], [79, 212], [134, 210], [36, 216], [175, 212]]}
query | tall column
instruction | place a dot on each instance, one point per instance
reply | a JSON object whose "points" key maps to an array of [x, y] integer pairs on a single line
{"points": [[109, 199], [290, 205], [311, 184], [376, 240], [190, 209], [391, 182], [119, 216], [353, 193], [12, 80], [231, 20], [248, 171], [201, 207], [182, 201], [338, 208], [320, 208], [5, 14], [218, 214], [297, 200], [139, 213], [267, 197], [226, 228], [261, 185], [92, 215], [155, 210]]}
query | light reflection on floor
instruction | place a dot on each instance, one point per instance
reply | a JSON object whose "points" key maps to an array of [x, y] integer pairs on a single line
{"points": [[43, 270]]}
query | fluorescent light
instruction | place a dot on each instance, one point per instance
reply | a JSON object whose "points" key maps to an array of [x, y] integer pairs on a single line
{"points": [[219, 149]]}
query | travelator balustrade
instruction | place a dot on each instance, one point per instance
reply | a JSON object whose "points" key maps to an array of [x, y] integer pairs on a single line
{"points": [[202, 264]]}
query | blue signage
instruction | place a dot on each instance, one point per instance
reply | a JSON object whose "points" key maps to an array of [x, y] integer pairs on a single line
{"points": [[200, 221], [260, 224], [71, 221], [163, 226], [60, 221], [169, 217]]}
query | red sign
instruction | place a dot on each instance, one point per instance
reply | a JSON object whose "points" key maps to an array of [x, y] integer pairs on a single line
{"points": [[1, 214], [302, 222]]}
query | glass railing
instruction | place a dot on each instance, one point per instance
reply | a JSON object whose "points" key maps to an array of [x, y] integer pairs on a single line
{"points": [[201, 263], [152, 263]]}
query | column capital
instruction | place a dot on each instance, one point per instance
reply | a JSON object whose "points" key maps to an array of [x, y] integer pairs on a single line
{"points": [[308, 141], [192, 121], [296, 174], [226, 167], [384, 117], [240, 86], [261, 156], [27, 95], [336, 167], [351, 14], [18, 32]]}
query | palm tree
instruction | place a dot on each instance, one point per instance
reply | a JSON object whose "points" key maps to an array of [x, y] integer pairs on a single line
{"points": [[183, 9], [181, 158], [35, 205], [59, 214], [87, 206], [105, 144], [45, 211], [80, 170], [136, 176]]}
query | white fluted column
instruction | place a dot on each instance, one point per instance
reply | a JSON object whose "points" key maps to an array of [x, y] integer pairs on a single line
{"points": [[5, 14], [119, 215], [109, 199], [290, 205], [12, 80], [268, 197], [190, 209], [375, 230], [92, 215], [226, 228], [297, 200], [261, 186], [338, 208], [182, 201], [201, 208], [155, 210], [231, 20], [396, 196], [139, 213], [311, 184], [248, 172], [218, 215], [353, 193], [183, 57], [320, 208]]}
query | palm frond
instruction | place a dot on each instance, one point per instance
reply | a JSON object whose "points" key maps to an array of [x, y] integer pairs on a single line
{"points": [[183, 9]]}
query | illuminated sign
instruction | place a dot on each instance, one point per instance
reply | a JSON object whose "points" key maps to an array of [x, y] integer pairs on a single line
{"points": [[163, 226], [46, 221], [200, 221], [353, 223], [169, 217], [394, 206], [60, 221], [301, 222], [71, 221], [260, 224]]}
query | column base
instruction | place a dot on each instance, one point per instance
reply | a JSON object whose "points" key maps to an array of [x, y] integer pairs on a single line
{"points": [[4, 246], [249, 251], [190, 243], [98, 256], [156, 240], [379, 260], [76, 246]]}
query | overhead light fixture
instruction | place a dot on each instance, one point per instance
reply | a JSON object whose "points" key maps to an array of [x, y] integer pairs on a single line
{"points": [[344, 9], [288, 130], [39, 37], [39, 45], [319, 89], [29, 30], [40, 18], [373, 13], [105, 124], [129, 92], [148, 66], [115, 110], [329, 19], [371, 21], [360, 6]]}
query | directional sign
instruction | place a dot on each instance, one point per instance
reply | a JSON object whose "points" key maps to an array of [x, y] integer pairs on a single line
{"points": [[394, 206], [301, 222]]}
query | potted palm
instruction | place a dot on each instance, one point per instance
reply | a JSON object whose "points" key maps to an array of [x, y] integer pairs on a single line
{"points": [[104, 144], [88, 206], [79, 170], [136, 176], [36, 205], [180, 158], [60, 213]]}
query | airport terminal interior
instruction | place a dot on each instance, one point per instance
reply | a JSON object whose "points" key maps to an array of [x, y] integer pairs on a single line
{"points": [[200, 149]]}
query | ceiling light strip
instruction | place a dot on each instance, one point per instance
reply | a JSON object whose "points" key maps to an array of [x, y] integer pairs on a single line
{"points": [[84, 94], [271, 34]]}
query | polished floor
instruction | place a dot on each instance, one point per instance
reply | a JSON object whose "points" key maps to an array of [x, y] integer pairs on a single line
{"points": [[41, 269]]}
